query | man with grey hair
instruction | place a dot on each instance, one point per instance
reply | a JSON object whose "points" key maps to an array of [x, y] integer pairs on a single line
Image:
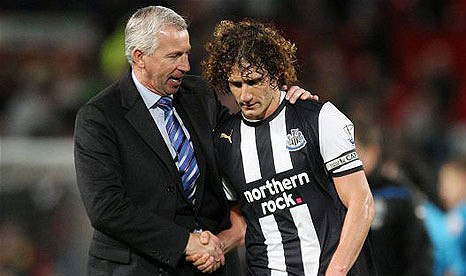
{"points": [[145, 162]]}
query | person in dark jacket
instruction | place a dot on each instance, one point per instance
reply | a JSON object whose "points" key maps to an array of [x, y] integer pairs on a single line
{"points": [[399, 238]]}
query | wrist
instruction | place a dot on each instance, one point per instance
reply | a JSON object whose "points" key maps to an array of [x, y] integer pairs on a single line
{"points": [[190, 242], [336, 270], [229, 240]]}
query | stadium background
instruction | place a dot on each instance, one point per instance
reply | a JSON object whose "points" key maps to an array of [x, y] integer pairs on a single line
{"points": [[400, 64]]}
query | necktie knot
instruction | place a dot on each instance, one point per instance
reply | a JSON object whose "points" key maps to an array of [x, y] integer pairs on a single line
{"points": [[165, 103]]}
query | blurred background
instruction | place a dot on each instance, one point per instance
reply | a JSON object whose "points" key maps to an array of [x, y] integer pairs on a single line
{"points": [[398, 66]]}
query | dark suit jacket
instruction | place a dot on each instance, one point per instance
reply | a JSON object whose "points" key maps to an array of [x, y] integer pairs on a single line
{"points": [[130, 185]]}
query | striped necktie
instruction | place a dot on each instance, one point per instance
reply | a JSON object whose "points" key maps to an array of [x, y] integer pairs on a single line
{"points": [[187, 164]]}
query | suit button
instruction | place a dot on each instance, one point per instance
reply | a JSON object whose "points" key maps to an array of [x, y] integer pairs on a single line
{"points": [[170, 189]]}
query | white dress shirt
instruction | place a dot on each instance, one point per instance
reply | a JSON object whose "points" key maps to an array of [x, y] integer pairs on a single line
{"points": [[150, 99]]}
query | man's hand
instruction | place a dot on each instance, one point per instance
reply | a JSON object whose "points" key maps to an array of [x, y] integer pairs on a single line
{"points": [[205, 263], [296, 92], [205, 251]]}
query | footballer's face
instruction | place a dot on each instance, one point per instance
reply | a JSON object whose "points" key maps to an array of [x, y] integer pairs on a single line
{"points": [[253, 93]]}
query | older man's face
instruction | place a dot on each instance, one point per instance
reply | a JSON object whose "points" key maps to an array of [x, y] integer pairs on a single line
{"points": [[165, 68], [253, 93]]}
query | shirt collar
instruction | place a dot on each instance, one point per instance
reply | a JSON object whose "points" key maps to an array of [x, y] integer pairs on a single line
{"points": [[150, 98]]}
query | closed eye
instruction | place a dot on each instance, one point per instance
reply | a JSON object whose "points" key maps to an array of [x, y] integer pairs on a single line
{"points": [[254, 82], [236, 84], [177, 54], [174, 55]]}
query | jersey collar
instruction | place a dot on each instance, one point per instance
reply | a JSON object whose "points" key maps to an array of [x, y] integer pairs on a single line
{"points": [[255, 123]]}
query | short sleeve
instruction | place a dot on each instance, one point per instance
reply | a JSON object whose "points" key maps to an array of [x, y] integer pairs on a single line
{"points": [[336, 140]]}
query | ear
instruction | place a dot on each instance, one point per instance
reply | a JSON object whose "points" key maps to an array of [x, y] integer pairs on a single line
{"points": [[138, 57]]}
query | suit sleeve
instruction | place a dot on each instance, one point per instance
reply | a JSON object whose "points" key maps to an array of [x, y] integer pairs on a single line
{"points": [[111, 211], [221, 113]]}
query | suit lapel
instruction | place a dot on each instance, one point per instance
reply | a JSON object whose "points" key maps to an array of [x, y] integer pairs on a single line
{"points": [[190, 108], [139, 117]]}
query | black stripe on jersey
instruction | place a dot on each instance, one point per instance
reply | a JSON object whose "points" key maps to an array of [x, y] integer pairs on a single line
{"points": [[264, 151], [291, 244], [341, 160], [235, 152], [223, 147], [293, 121]]}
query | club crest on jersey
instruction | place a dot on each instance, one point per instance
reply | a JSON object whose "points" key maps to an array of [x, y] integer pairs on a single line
{"points": [[295, 141], [349, 130]]}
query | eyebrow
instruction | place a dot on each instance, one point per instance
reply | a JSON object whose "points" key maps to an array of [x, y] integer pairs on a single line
{"points": [[233, 80], [245, 79], [178, 52]]}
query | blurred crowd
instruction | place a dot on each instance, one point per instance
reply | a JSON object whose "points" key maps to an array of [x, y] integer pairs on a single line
{"points": [[395, 66]]}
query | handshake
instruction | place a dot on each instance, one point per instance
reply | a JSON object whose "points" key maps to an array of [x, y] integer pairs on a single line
{"points": [[205, 251]]}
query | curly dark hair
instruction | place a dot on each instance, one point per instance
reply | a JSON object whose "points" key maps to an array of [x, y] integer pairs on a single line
{"points": [[249, 44]]}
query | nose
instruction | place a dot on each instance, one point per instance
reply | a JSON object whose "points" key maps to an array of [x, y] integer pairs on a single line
{"points": [[184, 64], [246, 95]]}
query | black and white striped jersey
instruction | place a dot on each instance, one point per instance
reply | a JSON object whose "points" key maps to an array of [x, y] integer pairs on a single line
{"points": [[280, 171]]}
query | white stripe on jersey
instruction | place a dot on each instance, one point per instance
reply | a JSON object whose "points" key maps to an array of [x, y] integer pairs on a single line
{"points": [[281, 155], [249, 154], [273, 240], [310, 247]]}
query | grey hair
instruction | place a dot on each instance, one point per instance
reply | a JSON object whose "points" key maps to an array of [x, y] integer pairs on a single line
{"points": [[144, 26]]}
